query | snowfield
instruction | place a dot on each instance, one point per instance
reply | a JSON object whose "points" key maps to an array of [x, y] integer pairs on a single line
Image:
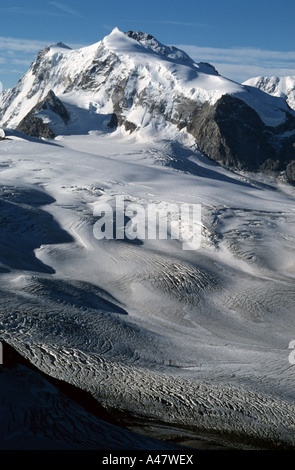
{"points": [[175, 344]]}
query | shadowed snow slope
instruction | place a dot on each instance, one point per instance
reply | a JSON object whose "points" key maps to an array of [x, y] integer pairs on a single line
{"points": [[49, 415]]}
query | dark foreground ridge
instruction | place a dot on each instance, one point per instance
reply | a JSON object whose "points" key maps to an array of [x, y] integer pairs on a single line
{"points": [[49, 414], [47, 417]]}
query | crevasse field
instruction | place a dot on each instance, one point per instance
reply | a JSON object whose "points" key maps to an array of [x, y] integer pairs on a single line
{"points": [[186, 345]]}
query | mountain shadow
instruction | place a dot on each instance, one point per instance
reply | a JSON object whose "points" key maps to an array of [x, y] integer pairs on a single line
{"points": [[24, 227]]}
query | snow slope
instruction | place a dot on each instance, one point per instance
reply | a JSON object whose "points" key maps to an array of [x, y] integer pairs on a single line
{"points": [[175, 344], [282, 87]]}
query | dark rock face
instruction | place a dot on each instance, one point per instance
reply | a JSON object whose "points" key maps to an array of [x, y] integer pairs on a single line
{"points": [[54, 104], [228, 132], [34, 126], [114, 121], [232, 134], [129, 126]]}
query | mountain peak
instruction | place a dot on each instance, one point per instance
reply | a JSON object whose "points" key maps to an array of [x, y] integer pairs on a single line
{"points": [[137, 42], [60, 45], [116, 30], [150, 42]]}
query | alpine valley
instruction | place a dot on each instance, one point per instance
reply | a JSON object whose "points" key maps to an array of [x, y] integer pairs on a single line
{"points": [[124, 344]]}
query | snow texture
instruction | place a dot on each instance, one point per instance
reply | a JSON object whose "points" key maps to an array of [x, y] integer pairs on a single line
{"points": [[195, 340]]}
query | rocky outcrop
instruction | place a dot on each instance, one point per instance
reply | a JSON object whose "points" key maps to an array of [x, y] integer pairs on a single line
{"points": [[232, 134], [37, 124], [35, 127]]}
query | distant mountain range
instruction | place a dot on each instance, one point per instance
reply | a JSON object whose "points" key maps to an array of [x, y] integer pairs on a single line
{"points": [[132, 82], [282, 87]]}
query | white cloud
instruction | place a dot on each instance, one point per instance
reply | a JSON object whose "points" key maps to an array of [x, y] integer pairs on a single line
{"points": [[180, 23], [24, 10], [66, 9], [9, 45], [241, 64], [16, 52], [241, 73]]}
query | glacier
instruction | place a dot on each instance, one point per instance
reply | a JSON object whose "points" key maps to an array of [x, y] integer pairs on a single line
{"points": [[179, 348]]}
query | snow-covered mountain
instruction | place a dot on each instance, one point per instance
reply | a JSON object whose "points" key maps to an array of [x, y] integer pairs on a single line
{"points": [[282, 87], [131, 80], [122, 73]]}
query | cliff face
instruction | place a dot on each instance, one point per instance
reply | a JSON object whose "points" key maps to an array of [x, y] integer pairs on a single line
{"points": [[232, 133], [37, 122]]}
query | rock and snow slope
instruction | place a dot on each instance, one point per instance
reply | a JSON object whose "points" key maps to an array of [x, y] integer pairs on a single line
{"points": [[132, 80], [117, 64], [182, 345], [282, 87]]}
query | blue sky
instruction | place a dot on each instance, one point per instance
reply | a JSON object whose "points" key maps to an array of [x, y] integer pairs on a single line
{"points": [[241, 39]]}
